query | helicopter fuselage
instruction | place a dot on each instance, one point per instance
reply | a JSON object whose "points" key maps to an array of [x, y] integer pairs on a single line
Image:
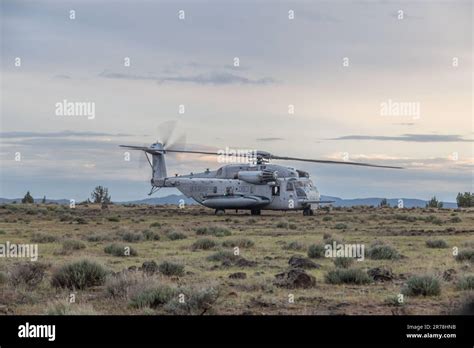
{"points": [[247, 186]]}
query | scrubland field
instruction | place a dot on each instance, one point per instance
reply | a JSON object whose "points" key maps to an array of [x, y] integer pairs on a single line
{"points": [[165, 260]]}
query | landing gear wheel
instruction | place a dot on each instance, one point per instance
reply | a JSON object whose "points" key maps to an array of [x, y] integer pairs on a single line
{"points": [[255, 212], [219, 212], [308, 212]]}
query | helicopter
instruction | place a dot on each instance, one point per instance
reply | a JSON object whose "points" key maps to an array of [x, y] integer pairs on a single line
{"points": [[254, 185]]}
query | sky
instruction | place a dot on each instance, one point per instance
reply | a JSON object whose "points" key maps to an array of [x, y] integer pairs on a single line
{"points": [[384, 82]]}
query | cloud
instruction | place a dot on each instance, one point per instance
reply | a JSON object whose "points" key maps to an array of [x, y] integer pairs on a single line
{"points": [[211, 78], [422, 138], [270, 139]]}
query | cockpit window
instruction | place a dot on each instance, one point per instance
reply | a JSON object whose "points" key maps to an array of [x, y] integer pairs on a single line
{"points": [[219, 172]]}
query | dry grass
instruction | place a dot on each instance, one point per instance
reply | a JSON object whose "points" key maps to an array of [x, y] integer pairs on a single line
{"points": [[257, 239]]}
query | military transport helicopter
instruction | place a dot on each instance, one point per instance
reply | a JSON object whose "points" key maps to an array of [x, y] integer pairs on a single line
{"points": [[253, 186]]}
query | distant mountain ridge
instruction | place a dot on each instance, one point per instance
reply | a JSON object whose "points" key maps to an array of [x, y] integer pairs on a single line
{"points": [[338, 202]]}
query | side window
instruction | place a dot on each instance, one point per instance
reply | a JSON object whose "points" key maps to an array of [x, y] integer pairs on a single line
{"points": [[215, 189], [289, 186], [275, 190]]}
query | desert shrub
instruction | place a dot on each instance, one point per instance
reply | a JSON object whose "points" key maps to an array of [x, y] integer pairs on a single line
{"points": [[80, 221], [29, 274], [132, 237], [217, 231], [114, 219], [282, 224], [343, 262], [152, 297], [340, 226], [436, 243], [295, 245], [119, 285], [79, 275], [155, 224], [2, 232], [222, 256], [150, 235], [3, 277], [120, 250], [66, 308], [455, 219], [204, 244], [198, 301], [316, 251], [98, 238], [241, 243], [466, 283], [347, 276], [71, 244], [465, 255], [173, 235], [383, 252], [422, 286], [292, 226], [327, 218], [171, 269], [43, 238]]}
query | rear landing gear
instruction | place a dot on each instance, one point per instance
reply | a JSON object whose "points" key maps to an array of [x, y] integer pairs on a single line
{"points": [[255, 212], [219, 212], [308, 212]]}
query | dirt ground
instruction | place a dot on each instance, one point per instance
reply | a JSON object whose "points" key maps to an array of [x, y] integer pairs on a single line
{"points": [[265, 242]]}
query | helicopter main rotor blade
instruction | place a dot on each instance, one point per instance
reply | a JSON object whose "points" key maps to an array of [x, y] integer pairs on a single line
{"points": [[195, 152], [331, 162]]}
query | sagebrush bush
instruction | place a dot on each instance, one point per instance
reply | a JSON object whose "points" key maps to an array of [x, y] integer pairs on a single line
{"points": [[347, 276], [340, 226], [119, 285], [465, 255], [132, 237], [72, 244], [436, 243], [223, 256], [65, 308], [343, 262], [217, 231], [316, 251], [422, 286], [282, 224], [383, 252], [197, 301], [173, 235], [171, 269], [43, 238], [241, 243], [120, 250], [79, 275], [152, 297], [114, 219], [155, 224], [150, 235], [29, 274], [204, 244], [466, 283], [327, 218], [3, 277]]}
